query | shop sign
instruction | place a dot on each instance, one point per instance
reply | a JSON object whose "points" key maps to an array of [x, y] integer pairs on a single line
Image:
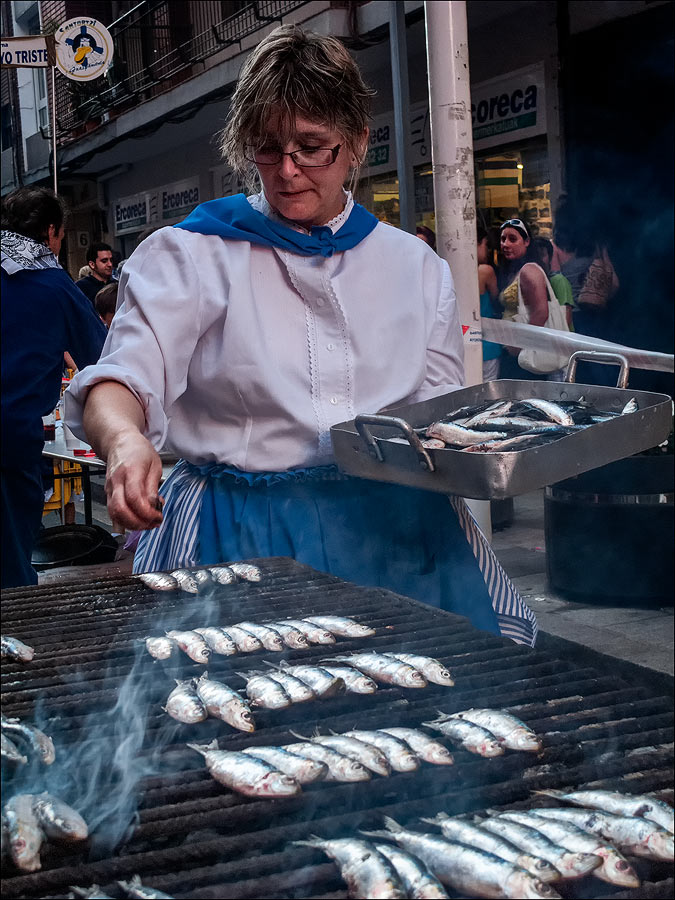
{"points": [[132, 213], [26, 51], [509, 108], [381, 156], [178, 199], [84, 48]]}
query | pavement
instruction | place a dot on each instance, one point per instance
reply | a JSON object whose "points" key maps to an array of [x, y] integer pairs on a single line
{"points": [[636, 633]]}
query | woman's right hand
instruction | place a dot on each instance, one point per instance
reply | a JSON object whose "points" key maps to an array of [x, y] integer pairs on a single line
{"points": [[132, 481]]}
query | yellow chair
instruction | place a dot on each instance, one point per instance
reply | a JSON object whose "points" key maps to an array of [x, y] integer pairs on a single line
{"points": [[63, 486]]}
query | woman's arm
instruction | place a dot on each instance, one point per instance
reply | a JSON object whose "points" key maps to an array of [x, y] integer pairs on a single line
{"points": [[534, 293], [114, 420]]}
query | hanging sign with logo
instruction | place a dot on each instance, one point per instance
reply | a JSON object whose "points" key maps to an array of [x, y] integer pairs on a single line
{"points": [[178, 199], [34, 52], [84, 49], [132, 213]]}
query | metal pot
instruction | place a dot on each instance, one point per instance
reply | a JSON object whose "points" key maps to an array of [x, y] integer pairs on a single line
{"points": [[73, 545]]}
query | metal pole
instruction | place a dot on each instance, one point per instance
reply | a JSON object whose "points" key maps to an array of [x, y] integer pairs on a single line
{"points": [[399, 81], [454, 191], [54, 127]]}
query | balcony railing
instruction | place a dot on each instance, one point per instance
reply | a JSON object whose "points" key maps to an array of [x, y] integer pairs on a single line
{"points": [[158, 45]]}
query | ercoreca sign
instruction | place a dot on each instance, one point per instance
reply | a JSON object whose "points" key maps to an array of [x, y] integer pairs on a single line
{"points": [[501, 106], [172, 200]]}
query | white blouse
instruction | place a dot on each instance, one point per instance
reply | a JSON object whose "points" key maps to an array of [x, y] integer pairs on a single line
{"points": [[246, 355]]}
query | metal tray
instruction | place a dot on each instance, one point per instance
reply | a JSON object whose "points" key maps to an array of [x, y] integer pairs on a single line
{"points": [[363, 447]]}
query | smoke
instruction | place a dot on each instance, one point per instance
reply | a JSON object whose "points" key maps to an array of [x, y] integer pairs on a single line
{"points": [[111, 751]]}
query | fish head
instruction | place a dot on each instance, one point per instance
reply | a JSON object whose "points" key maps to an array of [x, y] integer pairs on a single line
{"points": [[617, 870], [365, 685], [276, 785], [540, 868], [408, 762], [325, 637], [660, 844], [446, 676], [526, 740], [490, 748], [441, 756], [245, 720], [523, 884], [351, 770], [415, 679], [574, 865]]}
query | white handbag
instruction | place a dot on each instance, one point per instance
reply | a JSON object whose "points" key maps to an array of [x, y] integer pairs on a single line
{"points": [[543, 362]]}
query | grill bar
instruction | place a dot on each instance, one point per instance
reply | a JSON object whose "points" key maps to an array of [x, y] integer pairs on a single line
{"points": [[193, 838]]}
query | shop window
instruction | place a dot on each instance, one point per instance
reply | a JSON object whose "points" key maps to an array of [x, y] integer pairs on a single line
{"points": [[380, 195]]}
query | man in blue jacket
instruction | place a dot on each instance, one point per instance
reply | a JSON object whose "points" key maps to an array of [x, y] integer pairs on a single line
{"points": [[43, 315]]}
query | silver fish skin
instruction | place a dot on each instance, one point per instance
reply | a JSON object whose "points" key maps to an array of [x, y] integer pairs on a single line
{"points": [[13, 648], [244, 640], [340, 767], [472, 872], [37, 740], [519, 442], [355, 682], [305, 771], [464, 832], [569, 864], [245, 774], [184, 705], [629, 834], [418, 881], [159, 581], [513, 733], [160, 647], [186, 581], [218, 640], [497, 410], [641, 805], [459, 436], [246, 571], [59, 821], [520, 424], [11, 752], [264, 691], [385, 669], [426, 748], [192, 644], [268, 637], [291, 636], [204, 580], [91, 893], [223, 703], [370, 757], [552, 411], [471, 737], [630, 407], [313, 633], [321, 682], [431, 668], [297, 690], [398, 753], [135, 888], [222, 574], [25, 835], [367, 872], [614, 868], [342, 626]]}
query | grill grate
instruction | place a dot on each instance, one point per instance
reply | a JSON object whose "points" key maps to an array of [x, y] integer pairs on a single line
{"points": [[193, 838]]}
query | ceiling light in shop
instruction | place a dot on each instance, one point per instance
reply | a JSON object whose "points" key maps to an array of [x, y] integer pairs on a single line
{"points": [[520, 166]]}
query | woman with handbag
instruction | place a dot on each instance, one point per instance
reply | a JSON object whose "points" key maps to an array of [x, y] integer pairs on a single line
{"points": [[527, 298]]}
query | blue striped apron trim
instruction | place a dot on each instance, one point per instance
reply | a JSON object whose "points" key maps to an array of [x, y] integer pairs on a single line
{"points": [[175, 543], [516, 619]]}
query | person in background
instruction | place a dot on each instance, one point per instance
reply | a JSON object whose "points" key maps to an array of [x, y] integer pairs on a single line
{"points": [[99, 257], [43, 314], [249, 329], [106, 302], [490, 307], [84, 271], [561, 286], [427, 235], [521, 274]]}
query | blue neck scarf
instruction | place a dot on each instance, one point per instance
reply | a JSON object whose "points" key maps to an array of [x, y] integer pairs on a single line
{"points": [[235, 219]]}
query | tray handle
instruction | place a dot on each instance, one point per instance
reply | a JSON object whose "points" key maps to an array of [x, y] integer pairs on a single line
{"points": [[596, 356], [363, 421]]}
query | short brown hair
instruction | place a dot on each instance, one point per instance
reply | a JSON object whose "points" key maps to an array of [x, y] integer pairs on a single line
{"points": [[298, 73], [31, 210], [105, 300]]}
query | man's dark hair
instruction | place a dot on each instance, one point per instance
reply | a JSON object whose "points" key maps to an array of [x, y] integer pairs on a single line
{"points": [[541, 243], [429, 235], [31, 210], [106, 299], [95, 249]]}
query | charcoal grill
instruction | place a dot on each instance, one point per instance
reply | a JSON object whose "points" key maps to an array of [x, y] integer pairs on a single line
{"points": [[603, 722]]}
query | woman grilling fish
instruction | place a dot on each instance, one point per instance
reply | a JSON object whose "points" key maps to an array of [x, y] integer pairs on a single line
{"points": [[258, 322]]}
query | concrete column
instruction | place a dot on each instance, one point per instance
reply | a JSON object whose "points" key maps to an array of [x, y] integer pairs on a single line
{"points": [[454, 190], [401, 92]]}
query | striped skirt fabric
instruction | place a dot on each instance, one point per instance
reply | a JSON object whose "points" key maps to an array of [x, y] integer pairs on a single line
{"points": [[176, 543]]}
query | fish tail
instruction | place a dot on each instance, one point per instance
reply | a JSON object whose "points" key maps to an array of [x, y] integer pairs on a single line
{"points": [[376, 834], [440, 817], [558, 795], [300, 737], [204, 748], [312, 841]]}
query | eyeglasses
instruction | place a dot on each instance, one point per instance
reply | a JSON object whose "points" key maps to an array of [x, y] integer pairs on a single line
{"points": [[306, 157]]}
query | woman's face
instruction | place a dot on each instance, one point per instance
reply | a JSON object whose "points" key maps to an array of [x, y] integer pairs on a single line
{"points": [[513, 244], [306, 195]]}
